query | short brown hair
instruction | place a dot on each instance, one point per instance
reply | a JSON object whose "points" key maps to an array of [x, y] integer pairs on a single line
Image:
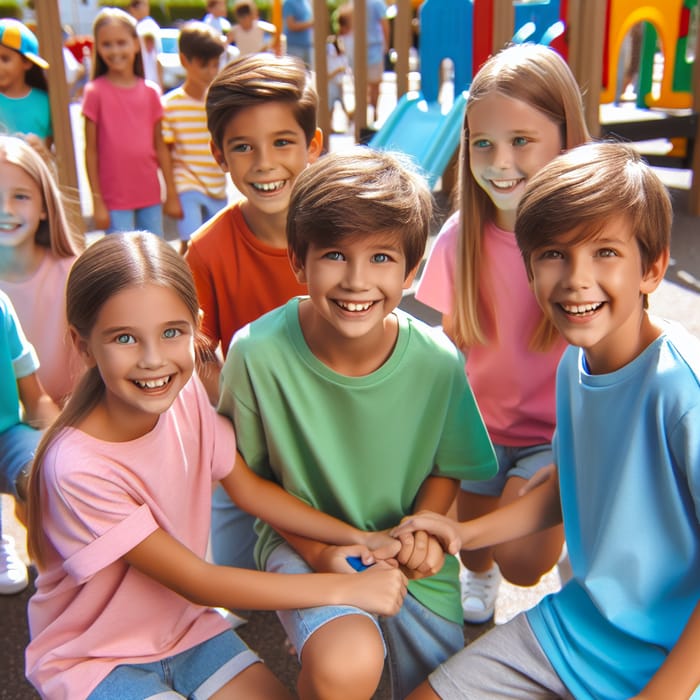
{"points": [[257, 79], [360, 192], [199, 40], [580, 190]]}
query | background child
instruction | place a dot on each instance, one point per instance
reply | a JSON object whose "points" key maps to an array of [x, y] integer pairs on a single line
{"points": [[120, 496], [37, 249], [24, 407], [524, 108], [200, 182], [24, 101], [338, 67], [123, 172], [250, 34], [261, 114], [216, 17], [148, 33], [325, 397], [594, 228]]}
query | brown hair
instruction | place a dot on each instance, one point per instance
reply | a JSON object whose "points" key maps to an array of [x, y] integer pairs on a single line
{"points": [[53, 232], [358, 192], [538, 76], [113, 15], [579, 191], [110, 265], [257, 79], [200, 40]]}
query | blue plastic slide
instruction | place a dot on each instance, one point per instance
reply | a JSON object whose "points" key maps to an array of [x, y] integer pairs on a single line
{"points": [[421, 130]]}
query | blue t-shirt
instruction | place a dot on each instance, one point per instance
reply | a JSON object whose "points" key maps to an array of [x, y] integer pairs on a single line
{"points": [[30, 114], [17, 360], [627, 447], [301, 11], [376, 11]]}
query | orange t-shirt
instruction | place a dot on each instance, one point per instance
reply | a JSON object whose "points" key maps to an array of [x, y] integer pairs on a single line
{"points": [[238, 277]]}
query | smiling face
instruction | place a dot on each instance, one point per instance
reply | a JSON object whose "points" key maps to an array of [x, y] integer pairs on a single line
{"points": [[117, 47], [21, 207], [509, 141], [593, 289], [263, 150], [13, 69], [143, 346], [353, 287]]}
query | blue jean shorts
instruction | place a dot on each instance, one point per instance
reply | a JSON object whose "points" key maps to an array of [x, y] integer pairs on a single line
{"points": [[197, 208], [524, 462], [197, 673], [416, 640], [17, 446], [144, 219]]}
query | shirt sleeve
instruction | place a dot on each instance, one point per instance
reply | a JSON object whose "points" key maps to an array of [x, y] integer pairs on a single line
{"points": [[24, 358], [206, 293], [436, 285]]}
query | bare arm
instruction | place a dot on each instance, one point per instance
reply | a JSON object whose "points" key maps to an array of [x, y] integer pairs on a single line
{"points": [[169, 562], [295, 25], [39, 407], [537, 510], [271, 503], [679, 675], [99, 209], [171, 207]]}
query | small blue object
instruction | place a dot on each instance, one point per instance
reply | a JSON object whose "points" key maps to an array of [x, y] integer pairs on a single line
{"points": [[356, 563]]}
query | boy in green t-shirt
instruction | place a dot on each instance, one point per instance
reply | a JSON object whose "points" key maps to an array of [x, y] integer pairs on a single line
{"points": [[362, 411]]}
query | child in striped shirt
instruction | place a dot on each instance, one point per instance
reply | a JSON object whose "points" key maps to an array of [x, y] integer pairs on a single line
{"points": [[200, 182]]}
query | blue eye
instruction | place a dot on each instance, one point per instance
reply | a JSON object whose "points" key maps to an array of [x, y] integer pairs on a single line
{"points": [[171, 333], [607, 253], [520, 141], [334, 255], [240, 148], [381, 258], [281, 143], [481, 143], [124, 339]]}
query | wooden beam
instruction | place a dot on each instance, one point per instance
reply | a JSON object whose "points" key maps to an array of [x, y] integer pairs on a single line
{"points": [[403, 33], [51, 48], [321, 24]]}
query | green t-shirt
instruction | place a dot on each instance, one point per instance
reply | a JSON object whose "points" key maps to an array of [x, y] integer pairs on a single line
{"points": [[358, 448]]}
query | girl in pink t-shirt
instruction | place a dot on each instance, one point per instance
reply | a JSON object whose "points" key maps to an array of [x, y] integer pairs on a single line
{"points": [[524, 108], [119, 501], [124, 146], [37, 249]]}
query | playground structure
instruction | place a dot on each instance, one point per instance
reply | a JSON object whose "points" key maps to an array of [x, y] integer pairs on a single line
{"points": [[595, 30]]}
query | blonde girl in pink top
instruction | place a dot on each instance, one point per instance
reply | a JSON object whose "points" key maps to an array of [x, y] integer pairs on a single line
{"points": [[37, 249], [119, 502], [524, 108]]}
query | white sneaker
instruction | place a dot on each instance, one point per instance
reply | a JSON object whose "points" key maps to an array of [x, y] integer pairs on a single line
{"points": [[479, 593], [13, 573]]}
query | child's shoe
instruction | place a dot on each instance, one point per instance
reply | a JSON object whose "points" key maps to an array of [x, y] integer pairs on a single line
{"points": [[479, 593], [13, 573]]}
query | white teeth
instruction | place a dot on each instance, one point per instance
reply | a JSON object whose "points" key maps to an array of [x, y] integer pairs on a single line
{"points": [[152, 383], [350, 306], [504, 184], [268, 186], [7, 227], [581, 308]]}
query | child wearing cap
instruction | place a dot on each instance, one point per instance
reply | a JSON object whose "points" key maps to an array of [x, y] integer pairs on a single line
{"points": [[24, 101]]}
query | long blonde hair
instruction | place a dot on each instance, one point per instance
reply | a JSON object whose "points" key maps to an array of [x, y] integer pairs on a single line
{"points": [[538, 76], [110, 265], [53, 232]]}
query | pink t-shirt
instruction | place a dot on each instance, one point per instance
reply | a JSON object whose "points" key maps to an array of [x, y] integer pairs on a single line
{"points": [[40, 302], [126, 154], [92, 611], [513, 386]]}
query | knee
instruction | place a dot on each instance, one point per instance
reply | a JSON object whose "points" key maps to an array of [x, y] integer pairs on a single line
{"points": [[520, 569], [343, 659]]}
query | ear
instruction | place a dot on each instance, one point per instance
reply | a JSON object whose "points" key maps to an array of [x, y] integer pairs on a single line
{"points": [[653, 276], [218, 156], [297, 267], [410, 277], [315, 146], [82, 347]]}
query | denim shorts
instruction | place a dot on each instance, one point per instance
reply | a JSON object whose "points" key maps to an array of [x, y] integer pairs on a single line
{"points": [[17, 446], [144, 219], [197, 208], [197, 673], [524, 462], [416, 640]]}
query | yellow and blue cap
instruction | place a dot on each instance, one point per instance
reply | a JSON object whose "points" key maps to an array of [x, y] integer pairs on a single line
{"points": [[15, 35]]}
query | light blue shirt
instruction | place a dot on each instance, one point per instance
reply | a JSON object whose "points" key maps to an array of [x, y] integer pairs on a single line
{"points": [[628, 451], [301, 11]]}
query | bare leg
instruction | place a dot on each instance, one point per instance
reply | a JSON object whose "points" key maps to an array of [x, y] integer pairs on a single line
{"points": [[343, 659], [423, 692], [255, 683]]}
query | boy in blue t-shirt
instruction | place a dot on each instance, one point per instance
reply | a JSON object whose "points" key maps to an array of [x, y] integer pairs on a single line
{"points": [[594, 227], [24, 406], [363, 412]]}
